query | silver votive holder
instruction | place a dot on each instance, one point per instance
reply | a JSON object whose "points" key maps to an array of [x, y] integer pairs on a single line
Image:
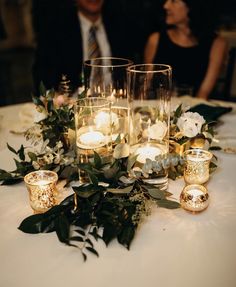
{"points": [[197, 163], [194, 198], [42, 189]]}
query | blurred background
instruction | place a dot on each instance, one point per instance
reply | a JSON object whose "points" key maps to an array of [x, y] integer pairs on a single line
{"points": [[17, 43]]}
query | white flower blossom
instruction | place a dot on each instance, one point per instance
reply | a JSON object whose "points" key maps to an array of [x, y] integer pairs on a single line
{"points": [[190, 124], [48, 158], [158, 130], [104, 120]]}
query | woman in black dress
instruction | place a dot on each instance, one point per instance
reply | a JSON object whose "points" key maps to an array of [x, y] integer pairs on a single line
{"points": [[189, 44]]}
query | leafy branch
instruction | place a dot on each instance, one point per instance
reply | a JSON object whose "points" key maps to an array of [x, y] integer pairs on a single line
{"points": [[95, 212]]}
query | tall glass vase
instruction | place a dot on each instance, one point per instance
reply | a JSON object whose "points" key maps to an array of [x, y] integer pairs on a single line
{"points": [[106, 77], [149, 89]]}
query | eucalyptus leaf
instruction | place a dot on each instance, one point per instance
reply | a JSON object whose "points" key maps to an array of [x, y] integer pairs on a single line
{"points": [[156, 193], [125, 190], [32, 156], [169, 204], [86, 194], [131, 161]]}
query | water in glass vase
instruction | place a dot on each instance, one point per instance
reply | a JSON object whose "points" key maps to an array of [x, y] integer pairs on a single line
{"points": [[154, 173]]}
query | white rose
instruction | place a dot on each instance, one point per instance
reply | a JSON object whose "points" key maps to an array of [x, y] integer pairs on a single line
{"points": [[104, 120], [157, 131], [190, 124]]}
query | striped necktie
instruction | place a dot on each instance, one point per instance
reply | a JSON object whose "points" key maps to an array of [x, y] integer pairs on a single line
{"points": [[93, 47]]}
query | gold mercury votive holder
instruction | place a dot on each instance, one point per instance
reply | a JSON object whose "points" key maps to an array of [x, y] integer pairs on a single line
{"points": [[194, 198], [196, 168], [42, 189]]}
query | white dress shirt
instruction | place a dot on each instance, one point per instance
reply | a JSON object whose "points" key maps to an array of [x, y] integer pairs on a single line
{"points": [[100, 34]]}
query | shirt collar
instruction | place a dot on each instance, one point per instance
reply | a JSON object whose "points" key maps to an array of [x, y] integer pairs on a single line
{"points": [[87, 23]]}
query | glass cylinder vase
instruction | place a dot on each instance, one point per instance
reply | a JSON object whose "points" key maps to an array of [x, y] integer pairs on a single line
{"points": [[93, 129], [149, 90], [106, 77]]}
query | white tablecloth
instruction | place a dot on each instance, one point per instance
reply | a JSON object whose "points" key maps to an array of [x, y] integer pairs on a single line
{"points": [[172, 248]]}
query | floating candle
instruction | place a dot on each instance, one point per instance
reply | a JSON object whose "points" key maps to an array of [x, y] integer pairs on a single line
{"points": [[92, 139], [146, 152]]}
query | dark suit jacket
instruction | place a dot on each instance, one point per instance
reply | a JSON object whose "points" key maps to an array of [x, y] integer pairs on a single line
{"points": [[59, 42]]}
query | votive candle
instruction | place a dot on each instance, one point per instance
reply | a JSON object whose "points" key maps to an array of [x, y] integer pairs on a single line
{"points": [[197, 162], [42, 189]]}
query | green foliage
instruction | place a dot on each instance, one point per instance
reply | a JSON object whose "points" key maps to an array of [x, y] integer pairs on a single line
{"points": [[96, 212], [113, 202]]}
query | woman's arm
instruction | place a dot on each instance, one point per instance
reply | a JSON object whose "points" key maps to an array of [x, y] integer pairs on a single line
{"points": [[151, 47], [217, 57]]}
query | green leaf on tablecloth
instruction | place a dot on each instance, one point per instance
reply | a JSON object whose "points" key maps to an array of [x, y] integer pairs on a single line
{"points": [[215, 148], [21, 153], [126, 236], [9, 179], [62, 227], [87, 240], [11, 149], [95, 234], [109, 233], [84, 256], [77, 238], [92, 250], [169, 204], [156, 193], [32, 156], [212, 167], [40, 223]]}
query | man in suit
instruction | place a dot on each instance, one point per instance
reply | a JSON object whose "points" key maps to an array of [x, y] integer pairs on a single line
{"points": [[61, 28]]}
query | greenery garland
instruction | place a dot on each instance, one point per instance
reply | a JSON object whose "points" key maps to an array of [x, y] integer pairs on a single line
{"points": [[106, 211]]}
